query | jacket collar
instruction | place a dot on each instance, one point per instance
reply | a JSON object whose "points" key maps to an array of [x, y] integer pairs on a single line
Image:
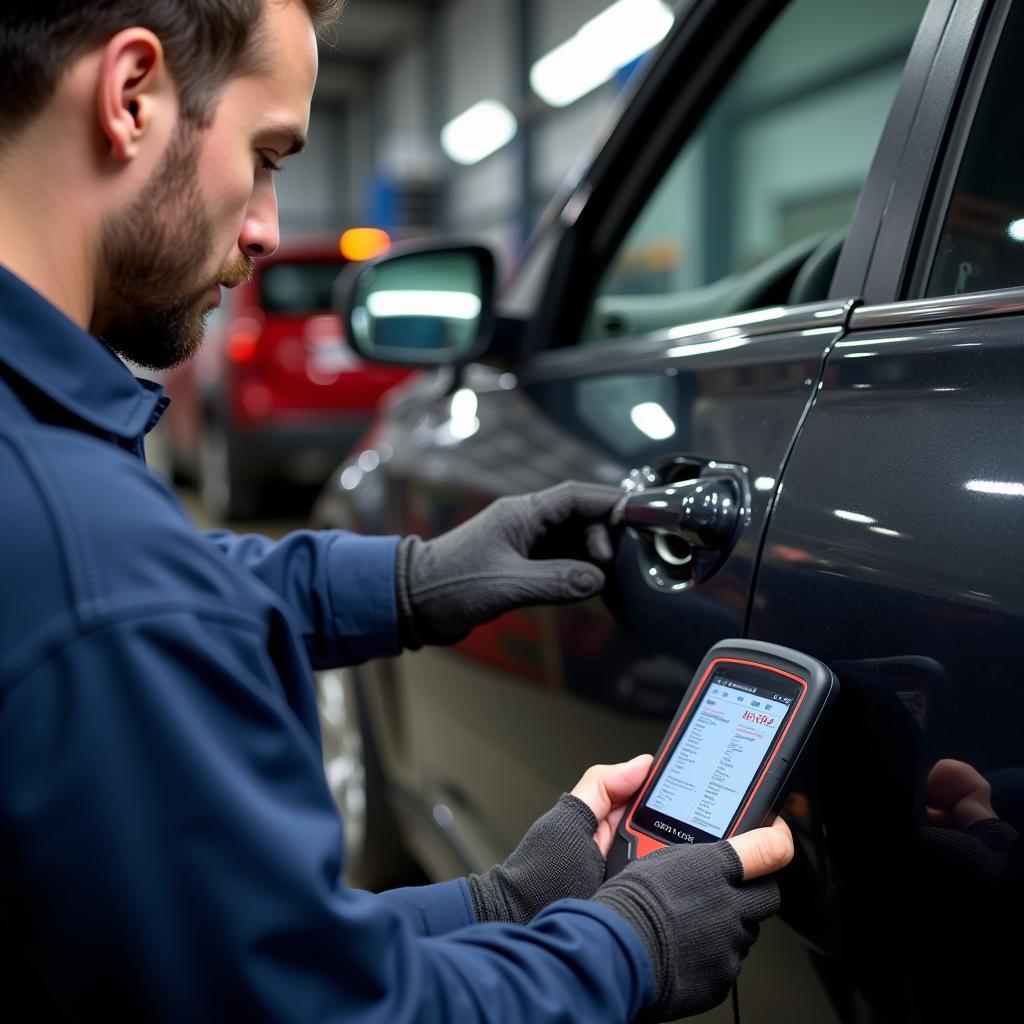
{"points": [[69, 366]]}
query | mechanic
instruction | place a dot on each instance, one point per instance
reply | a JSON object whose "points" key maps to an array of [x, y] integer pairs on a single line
{"points": [[171, 851]]}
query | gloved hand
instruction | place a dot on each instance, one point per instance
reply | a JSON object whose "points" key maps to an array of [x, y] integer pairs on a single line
{"points": [[557, 858], [563, 854], [696, 913], [531, 549]]}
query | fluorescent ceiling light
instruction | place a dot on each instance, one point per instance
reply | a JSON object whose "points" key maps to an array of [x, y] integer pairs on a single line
{"points": [[451, 305], [652, 420], [1011, 488], [569, 72], [611, 40], [478, 132]]}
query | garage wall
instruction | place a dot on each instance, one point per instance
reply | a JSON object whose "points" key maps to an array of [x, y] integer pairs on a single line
{"points": [[404, 87], [471, 53], [566, 136], [313, 193], [470, 50], [479, 63]]}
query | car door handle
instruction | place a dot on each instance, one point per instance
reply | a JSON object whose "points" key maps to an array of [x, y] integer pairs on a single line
{"points": [[704, 512]]}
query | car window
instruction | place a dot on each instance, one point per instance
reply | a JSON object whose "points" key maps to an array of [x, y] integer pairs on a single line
{"points": [[299, 287], [752, 211], [981, 244]]}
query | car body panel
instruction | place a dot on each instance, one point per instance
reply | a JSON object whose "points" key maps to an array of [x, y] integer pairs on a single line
{"points": [[884, 540], [608, 674], [894, 555]]}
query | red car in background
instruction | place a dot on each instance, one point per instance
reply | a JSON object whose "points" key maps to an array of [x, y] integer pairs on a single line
{"points": [[275, 394]]}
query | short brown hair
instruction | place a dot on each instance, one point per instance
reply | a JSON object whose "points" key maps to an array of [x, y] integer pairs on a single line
{"points": [[205, 42]]}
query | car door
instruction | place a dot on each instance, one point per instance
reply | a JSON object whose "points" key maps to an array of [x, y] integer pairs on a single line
{"points": [[895, 554], [681, 325]]}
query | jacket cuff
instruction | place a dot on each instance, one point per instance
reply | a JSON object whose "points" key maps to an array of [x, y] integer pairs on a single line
{"points": [[433, 909], [628, 940], [408, 634], [361, 590]]}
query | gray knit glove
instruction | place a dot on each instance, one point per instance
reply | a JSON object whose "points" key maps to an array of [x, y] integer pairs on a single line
{"points": [[697, 918], [530, 549], [557, 859]]}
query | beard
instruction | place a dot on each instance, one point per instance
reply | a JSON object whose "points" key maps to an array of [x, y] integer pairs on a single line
{"points": [[152, 310]]}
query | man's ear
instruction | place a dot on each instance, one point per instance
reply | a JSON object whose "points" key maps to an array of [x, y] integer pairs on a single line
{"points": [[133, 85]]}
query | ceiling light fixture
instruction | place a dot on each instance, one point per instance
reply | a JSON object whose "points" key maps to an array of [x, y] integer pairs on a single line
{"points": [[478, 132], [611, 40]]}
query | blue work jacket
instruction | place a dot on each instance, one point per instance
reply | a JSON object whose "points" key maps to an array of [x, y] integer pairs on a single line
{"points": [[170, 850]]}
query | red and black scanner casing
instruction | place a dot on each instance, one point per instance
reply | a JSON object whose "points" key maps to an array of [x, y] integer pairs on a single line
{"points": [[814, 689]]}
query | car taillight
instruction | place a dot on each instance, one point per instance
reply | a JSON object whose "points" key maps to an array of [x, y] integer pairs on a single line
{"points": [[243, 340]]}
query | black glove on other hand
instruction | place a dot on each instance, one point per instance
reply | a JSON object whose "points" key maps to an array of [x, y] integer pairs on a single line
{"points": [[531, 549], [697, 918], [557, 859]]}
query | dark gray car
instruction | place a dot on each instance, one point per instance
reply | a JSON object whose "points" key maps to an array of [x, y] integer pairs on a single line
{"points": [[798, 261]]}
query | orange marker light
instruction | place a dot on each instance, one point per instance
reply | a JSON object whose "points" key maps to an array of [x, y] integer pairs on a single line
{"points": [[364, 243]]}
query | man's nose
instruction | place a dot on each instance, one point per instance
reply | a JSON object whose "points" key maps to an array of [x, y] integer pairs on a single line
{"points": [[260, 232]]}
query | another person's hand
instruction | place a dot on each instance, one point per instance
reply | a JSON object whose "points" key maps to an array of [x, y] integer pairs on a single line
{"points": [[957, 795], [697, 909], [563, 854], [532, 549]]}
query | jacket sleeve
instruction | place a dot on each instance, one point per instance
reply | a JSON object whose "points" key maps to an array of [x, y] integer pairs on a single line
{"points": [[339, 587], [172, 853], [437, 909]]}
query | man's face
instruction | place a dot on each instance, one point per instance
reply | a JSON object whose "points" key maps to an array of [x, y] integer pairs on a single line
{"points": [[211, 209]]}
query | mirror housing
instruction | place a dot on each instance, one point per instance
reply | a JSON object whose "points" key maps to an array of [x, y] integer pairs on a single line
{"points": [[422, 306]]}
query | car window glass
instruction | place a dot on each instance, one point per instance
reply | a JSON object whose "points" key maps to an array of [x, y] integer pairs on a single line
{"points": [[299, 287], [981, 245], [753, 210]]}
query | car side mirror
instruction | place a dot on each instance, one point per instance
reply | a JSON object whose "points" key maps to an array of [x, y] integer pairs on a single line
{"points": [[421, 307]]}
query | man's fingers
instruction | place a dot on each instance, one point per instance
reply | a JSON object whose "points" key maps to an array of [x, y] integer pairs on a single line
{"points": [[959, 790], [605, 786], [589, 501], [626, 778], [764, 850], [599, 542], [605, 789], [557, 580], [951, 781], [568, 521]]}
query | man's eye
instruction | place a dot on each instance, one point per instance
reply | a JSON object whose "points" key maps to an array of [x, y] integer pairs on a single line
{"points": [[266, 164]]}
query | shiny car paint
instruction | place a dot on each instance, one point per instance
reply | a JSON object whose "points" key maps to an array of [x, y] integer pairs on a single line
{"points": [[882, 442]]}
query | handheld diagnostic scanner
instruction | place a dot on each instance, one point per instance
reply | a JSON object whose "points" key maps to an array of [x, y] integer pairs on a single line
{"points": [[725, 762]]}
